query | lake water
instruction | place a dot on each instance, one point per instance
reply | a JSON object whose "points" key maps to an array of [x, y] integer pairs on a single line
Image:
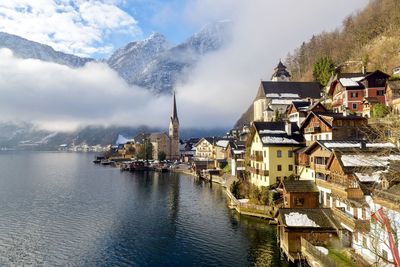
{"points": [[61, 209]]}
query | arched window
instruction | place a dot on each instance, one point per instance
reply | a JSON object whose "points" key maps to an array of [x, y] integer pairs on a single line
{"points": [[279, 153]]}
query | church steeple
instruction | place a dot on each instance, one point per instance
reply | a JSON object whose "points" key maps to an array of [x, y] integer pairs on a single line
{"points": [[174, 132], [280, 73], [174, 111]]}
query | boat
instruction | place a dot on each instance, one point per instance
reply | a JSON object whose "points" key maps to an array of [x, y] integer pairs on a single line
{"points": [[98, 159], [106, 162], [138, 166]]}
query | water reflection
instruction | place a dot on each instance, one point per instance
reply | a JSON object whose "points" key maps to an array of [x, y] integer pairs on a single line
{"points": [[60, 209]]}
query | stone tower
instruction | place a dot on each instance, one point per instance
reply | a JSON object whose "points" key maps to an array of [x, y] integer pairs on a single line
{"points": [[174, 133], [280, 73]]}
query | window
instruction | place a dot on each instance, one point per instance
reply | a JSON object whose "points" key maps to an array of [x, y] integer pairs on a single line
{"points": [[279, 168], [290, 154], [354, 106], [290, 167], [299, 201], [380, 92], [265, 153], [354, 95], [326, 136], [279, 153]]}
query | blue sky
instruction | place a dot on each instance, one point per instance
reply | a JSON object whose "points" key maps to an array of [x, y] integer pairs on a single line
{"points": [[96, 28]]}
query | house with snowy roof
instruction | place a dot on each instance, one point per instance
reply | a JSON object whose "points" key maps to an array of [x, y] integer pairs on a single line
{"points": [[276, 95], [349, 89], [271, 151], [317, 226], [331, 126], [298, 110]]}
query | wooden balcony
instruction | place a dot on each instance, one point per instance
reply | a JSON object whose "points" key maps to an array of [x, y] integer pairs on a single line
{"points": [[258, 157], [312, 129], [351, 222]]}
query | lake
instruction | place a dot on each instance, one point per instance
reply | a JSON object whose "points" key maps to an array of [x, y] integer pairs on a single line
{"points": [[61, 209]]}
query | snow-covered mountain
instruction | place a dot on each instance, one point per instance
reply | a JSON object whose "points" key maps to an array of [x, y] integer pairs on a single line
{"points": [[155, 65], [152, 63], [28, 49]]}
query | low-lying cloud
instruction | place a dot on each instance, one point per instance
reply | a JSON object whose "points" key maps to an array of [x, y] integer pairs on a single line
{"points": [[219, 89]]}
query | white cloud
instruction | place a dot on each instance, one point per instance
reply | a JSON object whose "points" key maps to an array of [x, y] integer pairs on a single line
{"points": [[224, 83], [219, 90], [58, 97], [77, 27]]}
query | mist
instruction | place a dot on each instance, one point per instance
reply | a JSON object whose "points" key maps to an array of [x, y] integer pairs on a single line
{"points": [[216, 92]]}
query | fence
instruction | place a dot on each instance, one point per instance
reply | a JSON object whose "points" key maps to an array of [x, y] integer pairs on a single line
{"points": [[308, 248]]}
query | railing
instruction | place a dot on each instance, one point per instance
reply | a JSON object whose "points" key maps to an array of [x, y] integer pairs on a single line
{"points": [[246, 207], [251, 169], [312, 129], [308, 248], [353, 223], [264, 172]]}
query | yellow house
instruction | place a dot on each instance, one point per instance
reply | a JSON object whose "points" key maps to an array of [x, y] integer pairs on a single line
{"points": [[272, 146]]}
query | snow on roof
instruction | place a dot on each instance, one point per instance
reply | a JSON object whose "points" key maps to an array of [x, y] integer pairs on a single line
{"points": [[278, 140], [271, 131], [222, 143], [298, 219], [238, 152], [387, 145], [272, 95], [349, 82], [289, 95], [373, 177], [281, 101], [367, 160], [283, 95], [337, 144]]}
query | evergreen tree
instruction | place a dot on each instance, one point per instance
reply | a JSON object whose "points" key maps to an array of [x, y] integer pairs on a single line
{"points": [[323, 69]]}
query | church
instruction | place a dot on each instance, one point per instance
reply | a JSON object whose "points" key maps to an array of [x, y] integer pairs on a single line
{"points": [[274, 96], [168, 143]]}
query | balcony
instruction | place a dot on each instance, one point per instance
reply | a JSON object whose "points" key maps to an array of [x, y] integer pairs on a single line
{"points": [[312, 129], [353, 223], [251, 169], [264, 172], [258, 157]]}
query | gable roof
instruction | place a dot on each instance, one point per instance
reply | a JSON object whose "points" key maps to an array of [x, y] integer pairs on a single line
{"points": [[325, 116], [308, 218], [274, 134], [351, 80], [300, 186], [301, 90]]}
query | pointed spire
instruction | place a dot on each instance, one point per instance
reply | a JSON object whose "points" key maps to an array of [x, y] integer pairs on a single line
{"points": [[174, 111]]}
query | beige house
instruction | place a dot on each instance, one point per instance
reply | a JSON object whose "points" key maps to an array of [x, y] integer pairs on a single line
{"points": [[272, 146]]}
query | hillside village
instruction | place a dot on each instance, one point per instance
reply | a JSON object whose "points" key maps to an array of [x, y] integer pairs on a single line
{"points": [[322, 162]]}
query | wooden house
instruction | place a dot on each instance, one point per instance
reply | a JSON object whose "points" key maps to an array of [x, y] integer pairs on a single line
{"points": [[317, 226], [332, 126], [300, 194], [349, 89], [298, 110]]}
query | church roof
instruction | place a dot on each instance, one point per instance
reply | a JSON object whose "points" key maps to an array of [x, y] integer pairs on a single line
{"points": [[280, 70], [303, 90], [174, 110]]}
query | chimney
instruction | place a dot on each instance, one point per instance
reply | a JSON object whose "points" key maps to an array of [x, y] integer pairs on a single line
{"points": [[288, 128], [364, 69], [345, 111]]}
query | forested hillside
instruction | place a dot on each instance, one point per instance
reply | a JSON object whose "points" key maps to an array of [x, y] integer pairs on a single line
{"points": [[370, 37]]}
